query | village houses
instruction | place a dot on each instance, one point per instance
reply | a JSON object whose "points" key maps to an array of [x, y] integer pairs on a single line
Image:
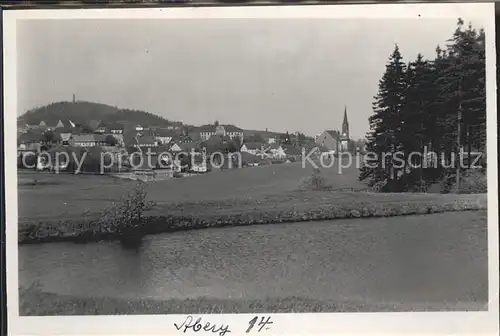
{"points": [[147, 140], [87, 140], [254, 148], [207, 131]]}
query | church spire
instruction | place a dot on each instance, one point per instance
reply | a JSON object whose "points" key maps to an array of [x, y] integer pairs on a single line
{"points": [[345, 124]]}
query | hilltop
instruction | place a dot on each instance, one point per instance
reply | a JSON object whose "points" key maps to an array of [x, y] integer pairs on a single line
{"points": [[81, 112]]}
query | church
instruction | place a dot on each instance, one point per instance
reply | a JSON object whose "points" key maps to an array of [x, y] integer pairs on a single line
{"points": [[334, 141]]}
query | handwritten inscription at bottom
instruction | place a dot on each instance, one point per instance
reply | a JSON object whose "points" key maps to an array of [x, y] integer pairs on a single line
{"points": [[198, 325], [262, 324]]}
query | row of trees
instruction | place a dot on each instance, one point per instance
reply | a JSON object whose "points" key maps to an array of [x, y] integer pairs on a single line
{"points": [[436, 105]]}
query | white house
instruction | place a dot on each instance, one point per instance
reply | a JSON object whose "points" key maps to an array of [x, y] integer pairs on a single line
{"points": [[230, 131], [163, 139], [284, 151], [163, 136], [65, 138], [272, 140], [175, 148], [254, 148], [83, 140], [116, 128], [66, 123]]}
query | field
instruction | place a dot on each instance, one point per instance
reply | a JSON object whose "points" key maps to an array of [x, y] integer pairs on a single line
{"points": [[417, 252], [67, 196]]}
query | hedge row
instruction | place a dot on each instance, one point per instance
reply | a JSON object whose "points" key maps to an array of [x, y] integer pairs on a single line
{"points": [[101, 229]]}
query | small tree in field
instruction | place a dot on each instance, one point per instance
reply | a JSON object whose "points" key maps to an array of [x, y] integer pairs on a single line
{"points": [[127, 217], [317, 181]]}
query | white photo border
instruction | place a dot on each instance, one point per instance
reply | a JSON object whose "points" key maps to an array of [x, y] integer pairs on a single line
{"points": [[290, 324]]}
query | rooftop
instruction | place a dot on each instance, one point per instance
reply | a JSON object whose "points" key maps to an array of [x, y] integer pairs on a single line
{"points": [[253, 145]]}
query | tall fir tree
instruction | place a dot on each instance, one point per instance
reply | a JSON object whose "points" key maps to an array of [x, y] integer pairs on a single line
{"points": [[463, 97], [438, 105], [385, 123]]}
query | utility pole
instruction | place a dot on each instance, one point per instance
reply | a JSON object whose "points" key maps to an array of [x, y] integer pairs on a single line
{"points": [[459, 125], [469, 146]]}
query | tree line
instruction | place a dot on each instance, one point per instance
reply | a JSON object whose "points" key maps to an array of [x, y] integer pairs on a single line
{"points": [[429, 105]]}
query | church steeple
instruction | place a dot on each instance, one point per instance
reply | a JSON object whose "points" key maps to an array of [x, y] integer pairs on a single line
{"points": [[345, 124]]}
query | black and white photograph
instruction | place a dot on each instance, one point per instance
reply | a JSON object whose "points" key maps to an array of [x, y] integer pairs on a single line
{"points": [[219, 166]]}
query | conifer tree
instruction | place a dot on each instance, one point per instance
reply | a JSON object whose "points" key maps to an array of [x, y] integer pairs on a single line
{"points": [[438, 105], [462, 91], [385, 123]]}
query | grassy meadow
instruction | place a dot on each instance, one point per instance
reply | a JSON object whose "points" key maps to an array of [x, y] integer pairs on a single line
{"points": [[67, 196], [66, 206]]}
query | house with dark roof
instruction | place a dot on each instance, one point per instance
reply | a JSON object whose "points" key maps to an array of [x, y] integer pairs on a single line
{"points": [[164, 136], [207, 131], [29, 141], [175, 148], [87, 140], [155, 150], [116, 128], [186, 147], [64, 124], [34, 127], [95, 124], [64, 133], [329, 140], [254, 148], [145, 140], [333, 140]]}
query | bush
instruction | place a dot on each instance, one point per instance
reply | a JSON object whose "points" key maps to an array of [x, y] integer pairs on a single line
{"points": [[127, 217], [317, 181], [472, 181], [378, 186]]}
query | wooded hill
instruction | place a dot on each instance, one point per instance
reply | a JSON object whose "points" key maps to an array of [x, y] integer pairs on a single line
{"points": [[81, 112]]}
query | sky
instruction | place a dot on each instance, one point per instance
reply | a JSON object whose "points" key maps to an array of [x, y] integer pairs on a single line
{"points": [[280, 74]]}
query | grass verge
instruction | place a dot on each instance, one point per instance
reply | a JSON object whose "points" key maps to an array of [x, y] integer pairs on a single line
{"points": [[296, 207], [36, 303]]}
